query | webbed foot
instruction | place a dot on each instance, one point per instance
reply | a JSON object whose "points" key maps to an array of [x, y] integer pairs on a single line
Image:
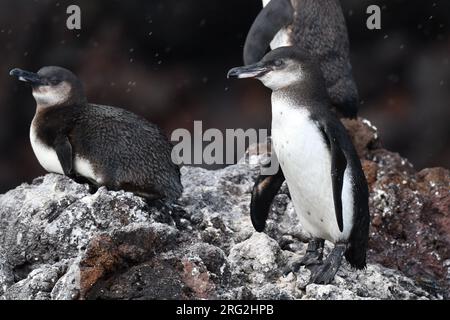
{"points": [[325, 273]]}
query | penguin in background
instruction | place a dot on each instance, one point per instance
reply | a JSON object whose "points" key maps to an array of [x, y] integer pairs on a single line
{"points": [[318, 161], [104, 145], [318, 28]]}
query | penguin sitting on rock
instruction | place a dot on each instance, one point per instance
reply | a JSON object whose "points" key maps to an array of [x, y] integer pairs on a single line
{"points": [[318, 161], [108, 146], [318, 28]]}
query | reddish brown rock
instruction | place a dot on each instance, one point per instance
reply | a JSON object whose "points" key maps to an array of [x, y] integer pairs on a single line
{"points": [[364, 135], [410, 211], [107, 255], [102, 257], [197, 279], [370, 170]]}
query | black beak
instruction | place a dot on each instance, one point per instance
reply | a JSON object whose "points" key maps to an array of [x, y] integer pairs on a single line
{"points": [[252, 71], [26, 76]]}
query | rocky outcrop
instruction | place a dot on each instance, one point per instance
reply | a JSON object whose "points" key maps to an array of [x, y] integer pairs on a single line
{"points": [[410, 211], [59, 241]]}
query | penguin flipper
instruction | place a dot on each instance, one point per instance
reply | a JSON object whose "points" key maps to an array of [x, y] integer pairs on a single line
{"points": [[276, 15], [338, 166], [63, 150], [265, 189]]}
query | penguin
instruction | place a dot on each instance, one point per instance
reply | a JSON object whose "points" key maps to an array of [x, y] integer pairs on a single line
{"points": [[107, 146], [317, 27], [317, 159]]}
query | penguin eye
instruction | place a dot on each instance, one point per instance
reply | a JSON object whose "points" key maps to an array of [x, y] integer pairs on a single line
{"points": [[278, 63], [54, 81]]}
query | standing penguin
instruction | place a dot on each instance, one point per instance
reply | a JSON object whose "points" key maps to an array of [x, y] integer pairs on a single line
{"points": [[318, 160], [318, 28], [108, 146]]}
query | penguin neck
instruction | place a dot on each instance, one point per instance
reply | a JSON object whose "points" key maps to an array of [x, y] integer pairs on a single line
{"points": [[304, 94], [42, 109], [43, 106], [64, 94]]}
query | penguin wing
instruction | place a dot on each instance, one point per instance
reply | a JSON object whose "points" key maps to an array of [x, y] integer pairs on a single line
{"points": [[264, 190], [276, 15], [338, 166], [63, 150]]}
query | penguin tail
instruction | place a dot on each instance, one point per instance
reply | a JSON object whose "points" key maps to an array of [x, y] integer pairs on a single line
{"points": [[356, 257]]}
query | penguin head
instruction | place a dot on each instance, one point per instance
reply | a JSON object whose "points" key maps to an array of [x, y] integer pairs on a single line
{"points": [[52, 86], [280, 68]]}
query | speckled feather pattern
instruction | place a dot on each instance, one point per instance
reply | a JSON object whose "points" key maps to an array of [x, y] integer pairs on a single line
{"points": [[325, 20], [125, 150]]}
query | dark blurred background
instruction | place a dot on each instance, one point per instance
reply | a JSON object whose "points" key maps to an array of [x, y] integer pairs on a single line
{"points": [[167, 60]]}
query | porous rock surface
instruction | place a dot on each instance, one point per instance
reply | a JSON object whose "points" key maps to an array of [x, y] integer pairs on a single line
{"points": [[59, 241]]}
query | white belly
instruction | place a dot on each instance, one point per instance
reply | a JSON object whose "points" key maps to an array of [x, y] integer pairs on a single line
{"points": [[46, 156], [306, 163], [48, 159]]}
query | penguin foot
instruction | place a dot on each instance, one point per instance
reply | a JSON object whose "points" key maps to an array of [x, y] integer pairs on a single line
{"points": [[314, 253], [325, 273], [82, 180], [312, 257]]}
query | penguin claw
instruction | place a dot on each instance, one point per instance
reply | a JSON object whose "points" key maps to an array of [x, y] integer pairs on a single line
{"points": [[314, 253], [291, 268], [286, 271], [311, 259], [295, 267], [325, 273]]}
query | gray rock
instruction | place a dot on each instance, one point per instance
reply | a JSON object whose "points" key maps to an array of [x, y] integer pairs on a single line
{"points": [[61, 242]]}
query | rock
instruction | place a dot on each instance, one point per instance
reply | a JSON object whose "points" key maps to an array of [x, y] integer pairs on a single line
{"points": [[364, 135], [410, 211], [378, 283], [59, 241], [256, 259]]}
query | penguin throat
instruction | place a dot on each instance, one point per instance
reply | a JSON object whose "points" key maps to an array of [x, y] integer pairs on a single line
{"points": [[281, 80], [47, 96]]}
